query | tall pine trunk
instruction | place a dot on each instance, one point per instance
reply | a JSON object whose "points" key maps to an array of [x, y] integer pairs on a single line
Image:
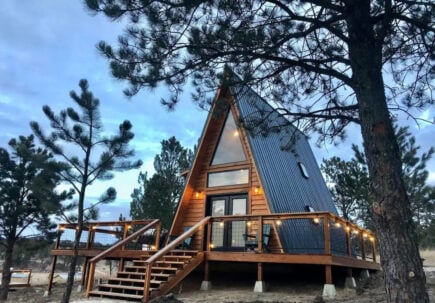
{"points": [[7, 265], [404, 277], [400, 258], [72, 266]]}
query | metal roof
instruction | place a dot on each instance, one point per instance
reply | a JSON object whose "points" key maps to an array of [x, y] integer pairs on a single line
{"points": [[284, 185]]}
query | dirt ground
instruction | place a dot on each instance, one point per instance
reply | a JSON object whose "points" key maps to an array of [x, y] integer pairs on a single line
{"points": [[230, 289], [369, 291]]}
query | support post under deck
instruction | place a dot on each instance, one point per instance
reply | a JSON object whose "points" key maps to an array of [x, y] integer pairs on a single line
{"points": [[260, 285], [206, 283]]}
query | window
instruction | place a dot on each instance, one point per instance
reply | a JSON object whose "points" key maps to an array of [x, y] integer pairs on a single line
{"points": [[303, 170], [309, 208], [225, 178], [229, 148]]}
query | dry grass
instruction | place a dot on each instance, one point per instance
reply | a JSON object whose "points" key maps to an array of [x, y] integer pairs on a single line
{"points": [[429, 257]]}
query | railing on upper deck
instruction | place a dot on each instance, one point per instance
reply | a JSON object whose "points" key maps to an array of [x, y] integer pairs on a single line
{"points": [[100, 235], [332, 234]]}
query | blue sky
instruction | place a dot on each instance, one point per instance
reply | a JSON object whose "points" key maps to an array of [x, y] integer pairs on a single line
{"points": [[47, 46]]}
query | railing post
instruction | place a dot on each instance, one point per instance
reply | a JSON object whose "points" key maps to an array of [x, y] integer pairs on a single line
{"points": [[348, 242], [327, 235], [209, 231], [374, 249], [363, 246], [157, 231], [146, 286], [91, 273], [54, 260], [260, 234], [124, 235]]}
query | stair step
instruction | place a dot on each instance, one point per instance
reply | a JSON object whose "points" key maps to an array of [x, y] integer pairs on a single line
{"points": [[183, 252], [171, 262], [130, 273], [161, 275], [165, 268], [114, 295], [177, 257], [119, 286], [134, 267], [126, 280]]}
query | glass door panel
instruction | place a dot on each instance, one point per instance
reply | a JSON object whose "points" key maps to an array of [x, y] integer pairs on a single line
{"points": [[229, 235], [238, 228], [218, 209]]}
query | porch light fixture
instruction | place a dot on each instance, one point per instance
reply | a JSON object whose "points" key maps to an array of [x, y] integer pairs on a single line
{"points": [[211, 245], [372, 239], [355, 231], [61, 228], [337, 224], [365, 235], [278, 222], [94, 227], [197, 194], [153, 247], [221, 224], [257, 190], [248, 223], [236, 133], [347, 228], [311, 209]]}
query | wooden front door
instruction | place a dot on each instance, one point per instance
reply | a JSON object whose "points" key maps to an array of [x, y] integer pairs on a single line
{"points": [[229, 235]]}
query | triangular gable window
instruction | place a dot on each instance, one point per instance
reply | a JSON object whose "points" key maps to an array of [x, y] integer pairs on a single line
{"points": [[229, 148]]}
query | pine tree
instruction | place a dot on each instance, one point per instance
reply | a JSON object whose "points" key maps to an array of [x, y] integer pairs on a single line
{"points": [[77, 139], [326, 64], [350, 184], [158, 196], [28, 197]]}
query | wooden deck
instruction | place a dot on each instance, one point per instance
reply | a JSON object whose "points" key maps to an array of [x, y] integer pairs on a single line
{"points": [[291, 259], [357, 250]]}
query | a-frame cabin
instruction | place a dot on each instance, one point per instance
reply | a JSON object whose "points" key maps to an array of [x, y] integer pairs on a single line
{"points": [[236, 173], [246, 200]]}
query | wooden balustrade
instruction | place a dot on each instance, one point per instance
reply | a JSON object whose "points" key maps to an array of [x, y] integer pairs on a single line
{"points": [[92, 263], [329, 221], [167, 249]]}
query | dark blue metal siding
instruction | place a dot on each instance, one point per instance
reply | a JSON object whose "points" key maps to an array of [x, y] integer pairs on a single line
{"points": [[285, 188]]}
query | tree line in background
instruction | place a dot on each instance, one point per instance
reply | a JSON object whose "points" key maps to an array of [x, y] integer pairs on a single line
{"points": [[75, 153], [348, 182], [158, 196]]}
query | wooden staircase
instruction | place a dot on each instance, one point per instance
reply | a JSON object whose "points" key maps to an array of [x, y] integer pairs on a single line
{"points": [[166, 273]]}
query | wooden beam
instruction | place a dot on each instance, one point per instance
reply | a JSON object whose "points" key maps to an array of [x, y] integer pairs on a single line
{"points": [[327, 235], [291, 259], [206, 271], [260, 271], [328, 274], [51, 275]]}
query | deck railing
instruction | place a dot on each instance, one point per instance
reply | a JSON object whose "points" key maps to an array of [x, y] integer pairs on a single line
{"points": [[97, 235], [357, 242], [103, 236], [167, 249], [156, 224]]}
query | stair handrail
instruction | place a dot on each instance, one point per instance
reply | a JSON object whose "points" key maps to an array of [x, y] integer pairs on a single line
{"points": [[117, 246], [168, 248]]}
